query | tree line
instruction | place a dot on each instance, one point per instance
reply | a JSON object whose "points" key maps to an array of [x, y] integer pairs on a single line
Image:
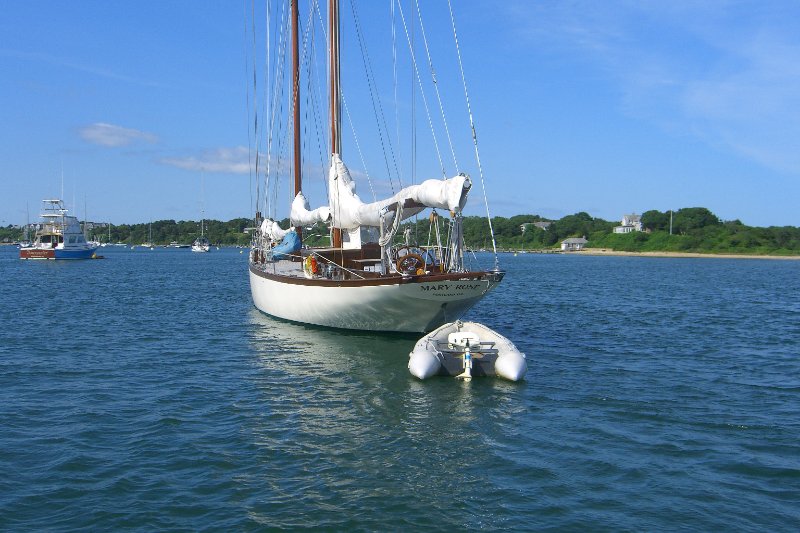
{"points": [[691, 229], [230, 233]]}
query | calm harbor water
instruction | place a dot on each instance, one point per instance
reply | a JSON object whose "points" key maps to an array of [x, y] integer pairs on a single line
{"points": [[145, 392]]}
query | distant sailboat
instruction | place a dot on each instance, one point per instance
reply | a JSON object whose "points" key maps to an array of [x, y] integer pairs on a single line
{"points": [[149, 243], [365, 280], [201, 244]]}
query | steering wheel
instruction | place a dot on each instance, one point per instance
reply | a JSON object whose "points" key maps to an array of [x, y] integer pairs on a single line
{"points": [[410, 263], [401, 251]]}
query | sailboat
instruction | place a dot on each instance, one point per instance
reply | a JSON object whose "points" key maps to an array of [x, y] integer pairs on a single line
{"points": [[149, 243], [369, 278], [201, 243]]}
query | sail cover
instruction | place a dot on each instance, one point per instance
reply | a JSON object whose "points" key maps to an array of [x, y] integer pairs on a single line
{"points": [[349, 212], [271, 229], [302, 216]]}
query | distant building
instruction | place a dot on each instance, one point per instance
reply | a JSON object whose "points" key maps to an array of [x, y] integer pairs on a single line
{"points": [[573, 244], [629, 223], [543, 225]]}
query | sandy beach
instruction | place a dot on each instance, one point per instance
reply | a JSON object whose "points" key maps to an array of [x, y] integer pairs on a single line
{"points": [[603, 251]]}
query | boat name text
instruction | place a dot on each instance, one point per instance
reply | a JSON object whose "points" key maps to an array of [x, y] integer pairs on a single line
{"points": [[461, 287]]}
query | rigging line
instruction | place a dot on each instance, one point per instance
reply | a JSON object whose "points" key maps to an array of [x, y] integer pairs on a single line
{"points": [[255, 108], [333, 13], [247, 112], [436, 85], [309, 52], [305, 65], [414, 137], [316, 97], [269, 108], [271, 87], [352, 126], [396, 101], [474, 136], [377, 109], [328, 51], [349, 118], [277, 103], [422, 90], [358, 147], [265, 104]]}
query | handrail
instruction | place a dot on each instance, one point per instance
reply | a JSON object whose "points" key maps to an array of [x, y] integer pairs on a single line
{"points": [[312, 252]]}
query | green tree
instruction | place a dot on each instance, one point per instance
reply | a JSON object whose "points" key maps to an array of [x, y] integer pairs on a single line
{"points": [[693, 218], [655, 220]]}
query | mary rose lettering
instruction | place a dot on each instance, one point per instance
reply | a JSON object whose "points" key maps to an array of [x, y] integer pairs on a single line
{"points": [[444, 287]]}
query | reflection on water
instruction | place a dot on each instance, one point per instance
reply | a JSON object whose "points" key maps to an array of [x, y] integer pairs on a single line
{"points": [[286, 345], [344, 402]]}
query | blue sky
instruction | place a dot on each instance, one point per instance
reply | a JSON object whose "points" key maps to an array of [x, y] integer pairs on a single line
{"points": [[604, 107]]}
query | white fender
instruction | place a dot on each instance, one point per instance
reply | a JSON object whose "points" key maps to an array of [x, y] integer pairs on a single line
{"points": [[511, 366], [423, 363]]}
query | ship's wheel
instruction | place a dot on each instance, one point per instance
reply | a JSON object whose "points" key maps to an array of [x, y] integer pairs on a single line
{"points": [[410, 263]]}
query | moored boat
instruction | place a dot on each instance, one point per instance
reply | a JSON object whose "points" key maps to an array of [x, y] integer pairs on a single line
{"points": [[59, 236], [201, 244], [466, 350], [367, 278]]}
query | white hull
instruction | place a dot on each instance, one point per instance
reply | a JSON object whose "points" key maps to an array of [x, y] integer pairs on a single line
{"points": [[410, 305]]}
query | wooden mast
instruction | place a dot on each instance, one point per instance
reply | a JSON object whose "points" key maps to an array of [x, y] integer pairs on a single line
{"points": [[335, 105], [335, 102], [298, 180]]}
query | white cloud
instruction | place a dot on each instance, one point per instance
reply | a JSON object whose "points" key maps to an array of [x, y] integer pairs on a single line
{"points": [[724, 72], [225, 160], [111, 135]]}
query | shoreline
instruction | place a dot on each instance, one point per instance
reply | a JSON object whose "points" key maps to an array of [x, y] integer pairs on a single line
{"points": [[603, 251]]}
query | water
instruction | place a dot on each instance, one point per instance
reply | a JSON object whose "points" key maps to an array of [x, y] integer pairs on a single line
{"points": [[145, 392]]}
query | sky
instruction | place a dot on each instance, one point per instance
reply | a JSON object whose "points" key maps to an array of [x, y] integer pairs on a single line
{"points": [[142, 109]]}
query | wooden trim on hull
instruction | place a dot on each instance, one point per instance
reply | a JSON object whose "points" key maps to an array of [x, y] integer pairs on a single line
{"points": [[383, 280], [37, 253]]}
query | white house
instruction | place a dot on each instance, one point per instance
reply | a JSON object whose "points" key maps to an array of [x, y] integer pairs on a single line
{"points": [[629, 223], [573, 244]]}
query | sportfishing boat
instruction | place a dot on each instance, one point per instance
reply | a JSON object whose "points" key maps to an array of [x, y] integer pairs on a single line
{"points": [[371, 275], [58, 236], [464, 350]]}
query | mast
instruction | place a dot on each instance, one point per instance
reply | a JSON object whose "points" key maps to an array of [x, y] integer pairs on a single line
{"points": [[335, 92], [298, 179], [336, 103], [296, 96]]}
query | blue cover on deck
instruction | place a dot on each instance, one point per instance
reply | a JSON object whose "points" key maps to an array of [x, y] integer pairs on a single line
{"points": [[290, 244]]}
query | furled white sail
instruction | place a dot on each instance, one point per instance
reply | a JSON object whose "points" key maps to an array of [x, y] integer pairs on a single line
{"points": [[301, 214], [271, 229], [349, 212]]}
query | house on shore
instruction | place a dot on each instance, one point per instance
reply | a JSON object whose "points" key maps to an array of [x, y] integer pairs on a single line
{"points": [[543, 225], [629, 223], [573, 244]]}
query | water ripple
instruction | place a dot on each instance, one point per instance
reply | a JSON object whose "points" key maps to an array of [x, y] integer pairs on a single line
{"points": [[661, 395]]}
